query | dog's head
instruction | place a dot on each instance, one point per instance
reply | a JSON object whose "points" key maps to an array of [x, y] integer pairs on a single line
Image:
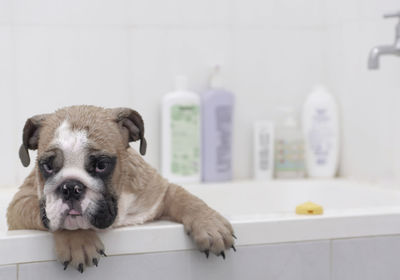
{"points": [[81, 150]]}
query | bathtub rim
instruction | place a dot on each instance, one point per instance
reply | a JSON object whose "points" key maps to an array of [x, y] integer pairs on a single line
{"points": [[24, 246]]}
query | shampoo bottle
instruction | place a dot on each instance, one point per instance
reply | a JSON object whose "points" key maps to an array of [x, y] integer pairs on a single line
{"points": [[217, 125], [289, 146], [321, 133], [181, 128]]}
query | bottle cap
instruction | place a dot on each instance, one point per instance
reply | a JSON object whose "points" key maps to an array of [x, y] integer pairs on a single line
{"points": [[287, 116]]}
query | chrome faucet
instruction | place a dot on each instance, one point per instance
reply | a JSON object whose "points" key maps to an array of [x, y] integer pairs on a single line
{"points": [[376, 52]]}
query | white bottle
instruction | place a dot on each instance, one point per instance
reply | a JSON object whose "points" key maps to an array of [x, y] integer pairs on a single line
{"points": [[181, 128], [263, 150], [321, 133]]}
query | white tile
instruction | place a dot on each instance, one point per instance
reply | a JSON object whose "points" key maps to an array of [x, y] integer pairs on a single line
{"points": [[8, 272], [303, 261], [206, 12], [180, 12], [64, 66], [337, 12], [6, 11], [7, 113], [145, 266], [154, 12], [308, 261], [70, 12], [252, 12], [342, 11], [286, 13], [122, 12], [299, 13], [366, 258]]}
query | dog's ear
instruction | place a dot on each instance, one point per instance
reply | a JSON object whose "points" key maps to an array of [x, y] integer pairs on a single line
{"points": [[131, 126], [30, 137]]}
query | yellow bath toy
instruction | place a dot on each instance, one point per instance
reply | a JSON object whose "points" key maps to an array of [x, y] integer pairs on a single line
{"points": [[309, 208]]}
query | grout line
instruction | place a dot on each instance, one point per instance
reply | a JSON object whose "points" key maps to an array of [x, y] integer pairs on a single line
{"points": [[330, 259], [17, 271], [271, 26], [366, 236]]}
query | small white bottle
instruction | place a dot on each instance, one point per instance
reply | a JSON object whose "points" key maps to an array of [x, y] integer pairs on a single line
{"points": [[321, 133], [263, 150], [181, 161], [289, 146]]}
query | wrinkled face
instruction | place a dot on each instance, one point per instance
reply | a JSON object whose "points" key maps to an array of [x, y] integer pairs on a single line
{"points": [[77, 174]]}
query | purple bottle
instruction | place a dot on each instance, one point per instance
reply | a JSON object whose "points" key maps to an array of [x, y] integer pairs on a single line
{"points": [[217, 124]]}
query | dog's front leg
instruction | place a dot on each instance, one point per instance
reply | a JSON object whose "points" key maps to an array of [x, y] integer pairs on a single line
{"points": [[78, 248], [208, 228]]}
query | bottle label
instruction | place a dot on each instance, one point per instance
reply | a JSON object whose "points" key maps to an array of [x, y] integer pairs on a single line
{"points": [[264, 153], [321, 136], [289, 156], [223, 152], [185, 139]]}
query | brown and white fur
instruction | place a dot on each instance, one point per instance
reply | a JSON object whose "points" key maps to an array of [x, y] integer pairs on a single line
{"points": [[86, 178]]}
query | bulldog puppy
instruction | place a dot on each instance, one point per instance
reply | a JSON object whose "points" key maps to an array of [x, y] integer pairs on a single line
{"points": [[87, 178]]}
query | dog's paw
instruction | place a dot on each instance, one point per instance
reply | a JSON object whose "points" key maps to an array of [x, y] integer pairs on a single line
{"points": [[78, 248], [212, 233]]}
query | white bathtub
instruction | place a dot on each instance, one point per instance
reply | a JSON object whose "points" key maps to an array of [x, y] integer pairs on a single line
{"points": [[261, 213]]}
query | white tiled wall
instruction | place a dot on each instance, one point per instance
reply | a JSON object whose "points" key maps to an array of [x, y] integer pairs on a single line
{"points": [[8, 118], [308, 260], [126, 53], [369, 99], [366, 258], [8, 272]]}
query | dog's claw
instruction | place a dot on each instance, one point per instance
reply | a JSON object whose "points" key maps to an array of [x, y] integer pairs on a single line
{"points": [[80, 268], [234, 236], [95, 261], [223, 254], [207, 252], [66, 263], [233, 247], [101, 252]]}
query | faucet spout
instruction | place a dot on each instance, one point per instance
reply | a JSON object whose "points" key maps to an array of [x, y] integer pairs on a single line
{"points": [[376, 52]]}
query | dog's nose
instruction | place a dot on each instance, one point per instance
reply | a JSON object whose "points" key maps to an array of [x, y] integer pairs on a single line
{"points": [[72, 189]]}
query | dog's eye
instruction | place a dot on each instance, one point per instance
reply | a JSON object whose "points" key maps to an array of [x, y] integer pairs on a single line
{"points": [[101, 166], [48, 168]]}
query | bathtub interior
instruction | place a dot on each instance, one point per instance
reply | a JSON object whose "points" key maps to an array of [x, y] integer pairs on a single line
{"points": [[250, 198]]}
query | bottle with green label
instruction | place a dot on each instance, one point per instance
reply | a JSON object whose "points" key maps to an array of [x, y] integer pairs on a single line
{"points": [[180, 145], [289, 146]]}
